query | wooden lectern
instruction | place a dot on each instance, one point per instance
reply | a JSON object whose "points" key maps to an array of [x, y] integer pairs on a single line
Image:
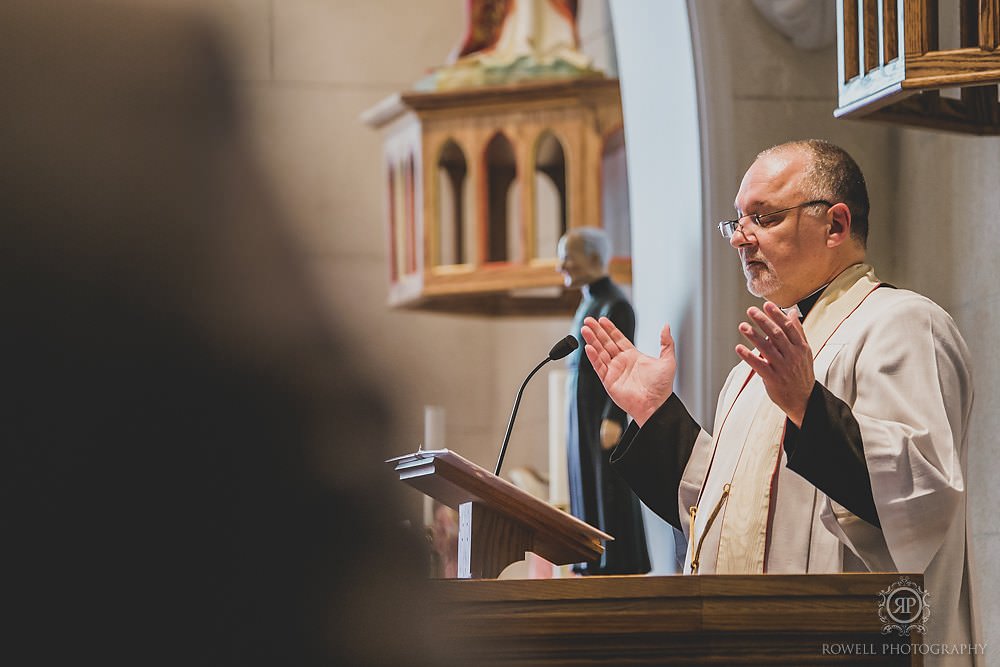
{"points": [[762, 620], [498, 522]]}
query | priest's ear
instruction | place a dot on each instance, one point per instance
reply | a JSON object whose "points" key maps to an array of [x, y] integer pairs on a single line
{"points": [[838, 219]]}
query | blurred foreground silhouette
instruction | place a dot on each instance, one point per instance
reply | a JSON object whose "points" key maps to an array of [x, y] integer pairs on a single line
{"points": [[191, 467]]}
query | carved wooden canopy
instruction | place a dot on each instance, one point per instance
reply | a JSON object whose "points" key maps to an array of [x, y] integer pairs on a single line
{"points": [[481, 183]]}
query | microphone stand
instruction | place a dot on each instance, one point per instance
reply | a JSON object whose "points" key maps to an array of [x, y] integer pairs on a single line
{"points": [[513, 413]]}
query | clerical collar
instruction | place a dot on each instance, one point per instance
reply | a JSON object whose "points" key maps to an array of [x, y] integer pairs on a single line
{"points": [[599, 285], [806, 304]]}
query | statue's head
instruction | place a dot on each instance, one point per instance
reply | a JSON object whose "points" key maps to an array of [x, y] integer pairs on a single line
{"points": [[584, 254]]}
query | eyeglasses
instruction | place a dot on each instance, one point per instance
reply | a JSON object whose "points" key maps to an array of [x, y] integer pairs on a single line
{"points": [[762, 220]]}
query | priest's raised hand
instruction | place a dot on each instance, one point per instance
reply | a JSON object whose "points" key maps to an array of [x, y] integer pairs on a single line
{"points": [[636, 382], [782, 358]]}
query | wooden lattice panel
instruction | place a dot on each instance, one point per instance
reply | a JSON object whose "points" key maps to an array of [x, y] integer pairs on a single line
{"points": [[892, 69]]}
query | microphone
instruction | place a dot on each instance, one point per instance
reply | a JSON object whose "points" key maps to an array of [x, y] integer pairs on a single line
{"points": [[563, 348], [558, 351]]}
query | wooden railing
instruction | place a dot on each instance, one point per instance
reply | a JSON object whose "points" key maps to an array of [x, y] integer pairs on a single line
{"points": [[881, 81]]}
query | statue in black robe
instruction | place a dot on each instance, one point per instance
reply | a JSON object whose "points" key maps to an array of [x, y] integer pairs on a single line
{"points": [[598, 495]]}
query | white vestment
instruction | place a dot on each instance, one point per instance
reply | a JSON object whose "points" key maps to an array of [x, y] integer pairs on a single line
{"points": [[898, 360]]}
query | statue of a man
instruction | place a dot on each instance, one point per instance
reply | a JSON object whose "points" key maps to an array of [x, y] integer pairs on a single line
{"points": [[597, 494]]}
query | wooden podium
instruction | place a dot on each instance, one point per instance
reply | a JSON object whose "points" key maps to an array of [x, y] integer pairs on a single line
{"points": [[497, 521], [819, 619], [720, 620]]}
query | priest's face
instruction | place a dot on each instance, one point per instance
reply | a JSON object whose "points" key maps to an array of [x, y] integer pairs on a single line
{"points": [[786, 257]]}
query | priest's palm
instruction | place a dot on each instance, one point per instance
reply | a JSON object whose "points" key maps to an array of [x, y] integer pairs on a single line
{"points": [[636, 382]]}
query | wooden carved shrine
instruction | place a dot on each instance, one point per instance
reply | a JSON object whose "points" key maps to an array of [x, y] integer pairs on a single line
{"points": [[481, 182]]}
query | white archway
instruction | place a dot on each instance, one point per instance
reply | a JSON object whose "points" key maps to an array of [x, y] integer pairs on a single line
{"points": [[660, 103]]}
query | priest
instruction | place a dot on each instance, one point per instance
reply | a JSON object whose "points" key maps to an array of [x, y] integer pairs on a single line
{"points": [[839, 442]]}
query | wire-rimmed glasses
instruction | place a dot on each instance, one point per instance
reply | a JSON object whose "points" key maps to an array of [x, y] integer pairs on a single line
{"points": [[762, 220]]}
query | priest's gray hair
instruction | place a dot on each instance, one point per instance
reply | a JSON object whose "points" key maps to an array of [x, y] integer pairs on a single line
{"points": [[835, 176], [595, 243]]}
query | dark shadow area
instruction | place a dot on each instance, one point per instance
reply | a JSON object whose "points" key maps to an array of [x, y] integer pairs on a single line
{"points": [[190, 459]]}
